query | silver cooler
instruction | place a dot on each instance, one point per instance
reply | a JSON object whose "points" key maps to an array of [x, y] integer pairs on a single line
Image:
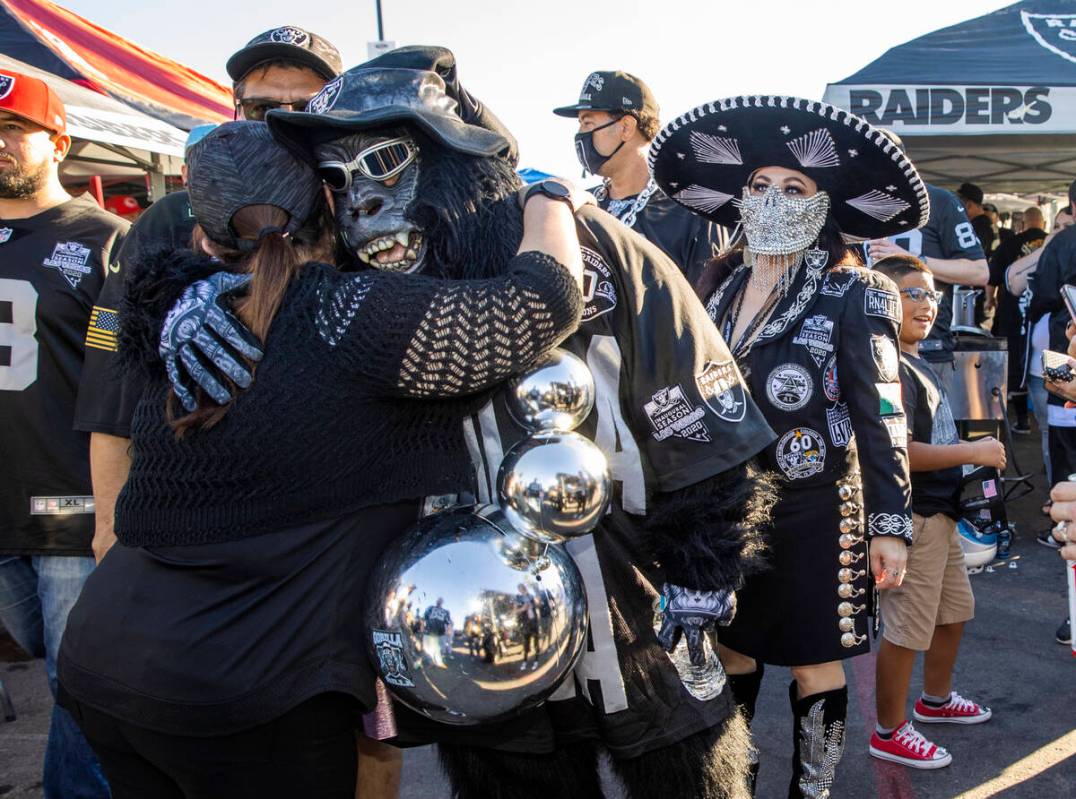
{"points": [[977, 380]]}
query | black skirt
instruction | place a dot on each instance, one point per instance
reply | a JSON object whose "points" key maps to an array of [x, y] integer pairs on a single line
{"points": [[812, 605]]}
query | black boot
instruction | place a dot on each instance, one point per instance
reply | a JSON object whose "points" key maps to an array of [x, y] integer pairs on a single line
{"points": [[745, 689], [818, 741]]}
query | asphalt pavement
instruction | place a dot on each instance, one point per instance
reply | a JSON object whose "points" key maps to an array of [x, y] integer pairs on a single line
{"points": [[1009, 661]]}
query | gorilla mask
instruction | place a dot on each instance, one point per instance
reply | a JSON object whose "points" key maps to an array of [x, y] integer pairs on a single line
{"points": [[374, 179]]}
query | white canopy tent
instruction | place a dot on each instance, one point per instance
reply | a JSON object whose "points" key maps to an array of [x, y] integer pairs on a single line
{"points": [[111, 139]]}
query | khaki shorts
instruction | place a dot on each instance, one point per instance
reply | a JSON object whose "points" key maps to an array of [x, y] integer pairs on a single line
{"points": [[935, 590]]}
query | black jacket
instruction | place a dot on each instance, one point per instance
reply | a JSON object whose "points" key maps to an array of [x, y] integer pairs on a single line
{"points": [[825, 372]]}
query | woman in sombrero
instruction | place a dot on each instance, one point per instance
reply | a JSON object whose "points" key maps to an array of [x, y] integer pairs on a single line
{"points": [[816, 337]]}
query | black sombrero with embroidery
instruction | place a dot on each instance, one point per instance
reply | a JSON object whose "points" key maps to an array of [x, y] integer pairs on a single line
{"points": [[704, 158]]}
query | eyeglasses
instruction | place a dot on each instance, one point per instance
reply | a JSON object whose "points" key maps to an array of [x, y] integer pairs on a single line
{"points": [[380, 162], [916, 294], [255, 108]]}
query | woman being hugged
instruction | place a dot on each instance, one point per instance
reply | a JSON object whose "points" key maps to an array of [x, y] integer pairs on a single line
{"points": [[815, 335], [217, 649]]}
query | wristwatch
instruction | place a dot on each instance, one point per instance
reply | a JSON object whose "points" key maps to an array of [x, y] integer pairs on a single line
{"points": [[551, 189]]}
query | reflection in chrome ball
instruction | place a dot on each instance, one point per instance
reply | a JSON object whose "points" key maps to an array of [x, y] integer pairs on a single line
{"points": [[554, 486], [556, 394], [468, 622]]}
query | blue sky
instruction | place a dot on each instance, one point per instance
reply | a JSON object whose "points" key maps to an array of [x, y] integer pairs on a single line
{"points": [[523, 57]]}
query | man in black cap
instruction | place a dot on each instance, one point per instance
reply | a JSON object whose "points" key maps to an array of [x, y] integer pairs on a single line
{"points": [[972, 198], [618, 118], [281, 68]]}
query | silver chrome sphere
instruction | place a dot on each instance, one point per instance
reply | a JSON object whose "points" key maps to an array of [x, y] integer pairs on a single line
{"points": [[557, 393], [452, 607], [554, 486]]}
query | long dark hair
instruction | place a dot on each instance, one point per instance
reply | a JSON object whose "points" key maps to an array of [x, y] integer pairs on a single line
{"points": [[273, 263], [719, 267]]}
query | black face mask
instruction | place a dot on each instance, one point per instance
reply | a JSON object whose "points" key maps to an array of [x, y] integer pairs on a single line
{"points": [[588, 154]]}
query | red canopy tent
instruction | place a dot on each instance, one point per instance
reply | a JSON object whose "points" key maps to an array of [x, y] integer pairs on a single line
{"points": [[56, 40]]}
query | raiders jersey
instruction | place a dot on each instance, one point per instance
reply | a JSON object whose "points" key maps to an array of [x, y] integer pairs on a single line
{"points": [[947, 235], [670, 411], [52, 267], [107, 400]]}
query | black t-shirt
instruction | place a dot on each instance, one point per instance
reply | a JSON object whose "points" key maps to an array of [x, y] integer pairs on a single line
{"points": [[930, 421], [1008, 319], [216, 638], [108, 399], [52, 267], [689, 239], [1056, 268], [984, 231], [947, 235]]}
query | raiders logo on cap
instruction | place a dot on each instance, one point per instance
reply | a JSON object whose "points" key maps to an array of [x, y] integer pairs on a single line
{"points": [[324, 100], [290, 35], [7, 83]]}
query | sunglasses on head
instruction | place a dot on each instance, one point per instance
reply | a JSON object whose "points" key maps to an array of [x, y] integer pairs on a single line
{"points": [[255, 108], [916, 294], [379, 162]]}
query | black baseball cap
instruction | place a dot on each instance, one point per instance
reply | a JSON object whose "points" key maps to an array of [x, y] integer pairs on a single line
{"points": [[612, 91], [969, 191], [240, 164], [289, 43]]}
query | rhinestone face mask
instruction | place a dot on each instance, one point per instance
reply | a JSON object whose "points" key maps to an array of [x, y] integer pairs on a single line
{"points": [[776, 224]]}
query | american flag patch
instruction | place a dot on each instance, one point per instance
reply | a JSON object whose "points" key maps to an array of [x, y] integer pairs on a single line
{"points": [[102, 334]]}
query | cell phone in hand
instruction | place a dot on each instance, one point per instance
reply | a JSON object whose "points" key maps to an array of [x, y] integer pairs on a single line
{"points": [[1068, 294], [1055, 367]]}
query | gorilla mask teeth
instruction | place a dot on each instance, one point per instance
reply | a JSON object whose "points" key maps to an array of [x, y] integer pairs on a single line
{"points": [[397, 252]]}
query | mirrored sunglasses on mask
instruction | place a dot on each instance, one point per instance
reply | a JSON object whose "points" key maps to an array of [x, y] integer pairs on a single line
{"points": [[255, 108], [916, 294], [380, 162]]}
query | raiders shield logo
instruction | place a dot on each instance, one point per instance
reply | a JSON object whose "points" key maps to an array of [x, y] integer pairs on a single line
{"points": [[722, 390], [324, 100], [7, 83], [289, 35], [390, 658], [1055, 32]]}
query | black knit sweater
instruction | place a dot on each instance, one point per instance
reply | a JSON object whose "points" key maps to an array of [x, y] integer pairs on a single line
{"points": [[348, 408]]}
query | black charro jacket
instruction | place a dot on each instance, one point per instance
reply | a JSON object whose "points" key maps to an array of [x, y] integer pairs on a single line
{"points": [[825, 372]]}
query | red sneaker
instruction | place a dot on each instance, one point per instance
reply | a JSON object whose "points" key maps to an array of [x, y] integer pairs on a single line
{"points": [[957, 710], [908, 747]]}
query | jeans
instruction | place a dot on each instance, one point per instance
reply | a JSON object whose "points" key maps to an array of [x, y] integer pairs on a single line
{"points": [[36, 594], [1037, 391]]}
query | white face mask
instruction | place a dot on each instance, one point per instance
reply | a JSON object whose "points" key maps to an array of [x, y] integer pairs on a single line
{"points": [[776, 224]]}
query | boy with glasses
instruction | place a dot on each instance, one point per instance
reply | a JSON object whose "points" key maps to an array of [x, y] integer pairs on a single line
{"points": [[928, 611]]}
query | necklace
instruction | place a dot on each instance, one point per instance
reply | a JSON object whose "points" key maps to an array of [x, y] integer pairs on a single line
{"points": [[627, 217], [742, 346]]}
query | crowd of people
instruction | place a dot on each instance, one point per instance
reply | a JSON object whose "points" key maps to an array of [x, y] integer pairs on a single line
{"points": [[226, 412]]}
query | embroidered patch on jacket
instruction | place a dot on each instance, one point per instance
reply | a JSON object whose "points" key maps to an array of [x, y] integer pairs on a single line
{"points": [[789, 387], [889, 403], [879, 302], [897, 428], [672, 414], [801, 453], [840, 424], [890, 524], [722, 390], [885, 357], [816, 334], [831, 387], [390, 657]]}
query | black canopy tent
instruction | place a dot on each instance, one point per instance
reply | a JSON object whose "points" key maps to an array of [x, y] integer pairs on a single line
{"points": [[991, 100]]}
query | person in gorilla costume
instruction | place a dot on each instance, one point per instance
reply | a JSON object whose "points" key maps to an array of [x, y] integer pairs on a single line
{"points": [[415, 188]]}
